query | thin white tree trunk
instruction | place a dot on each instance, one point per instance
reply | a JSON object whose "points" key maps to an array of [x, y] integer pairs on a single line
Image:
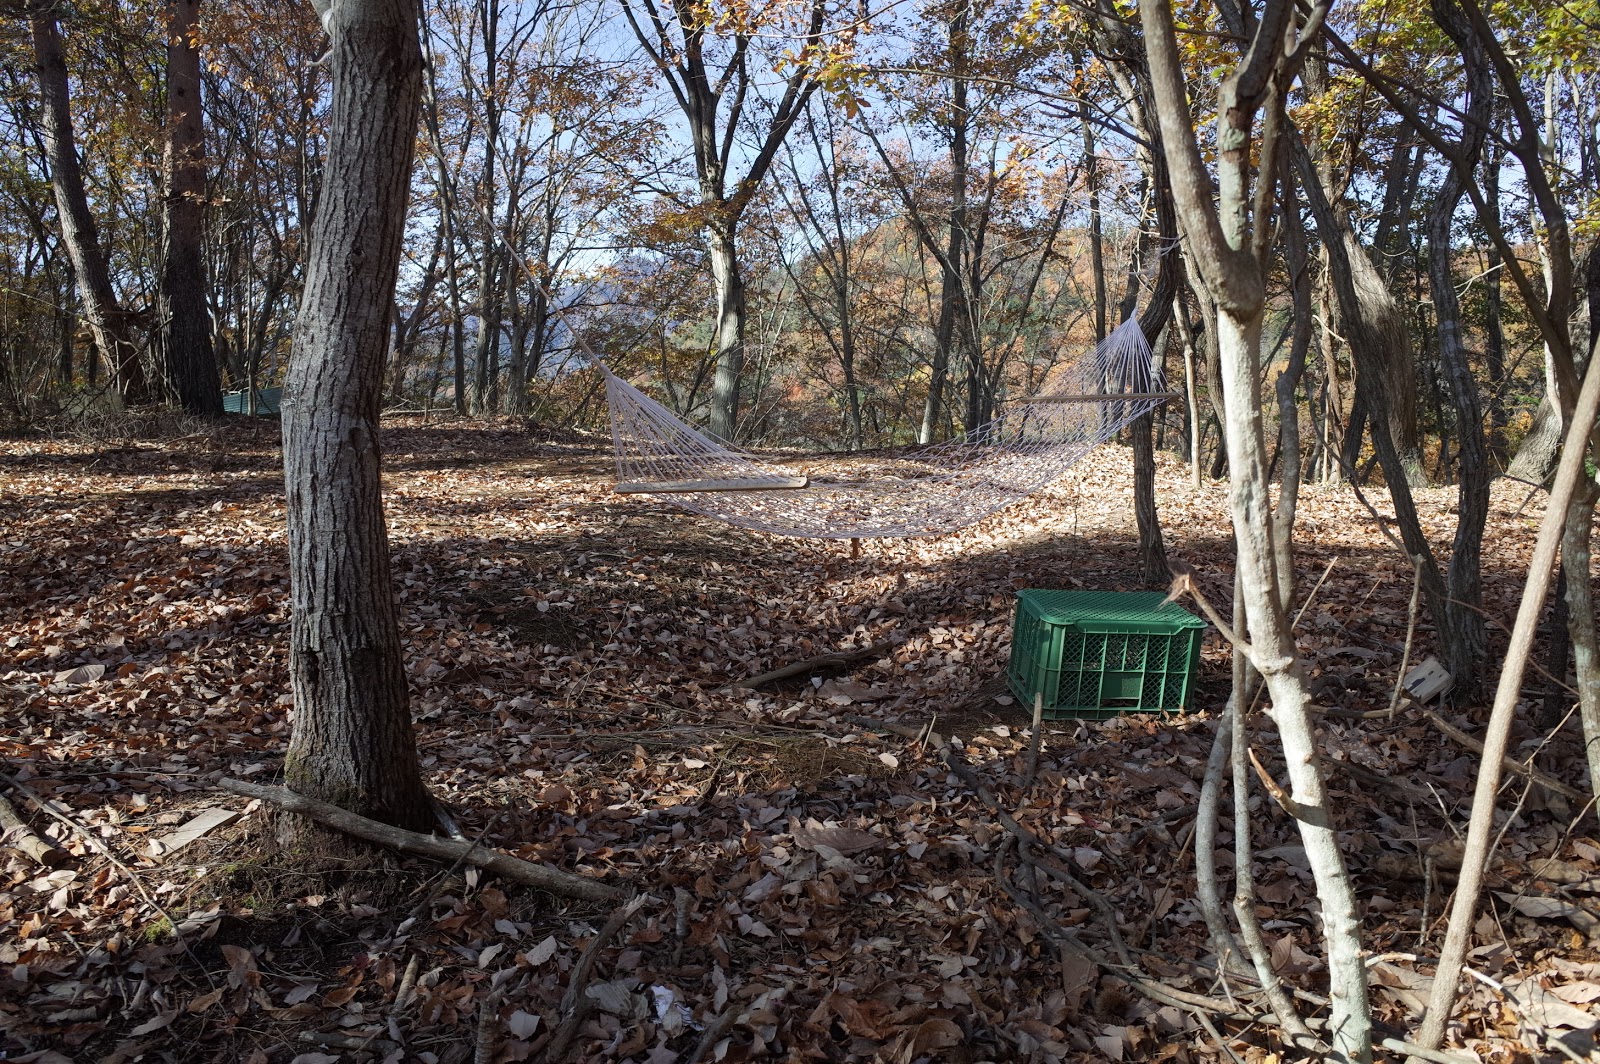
{"points": [[1274, 656], [1228, 239]]}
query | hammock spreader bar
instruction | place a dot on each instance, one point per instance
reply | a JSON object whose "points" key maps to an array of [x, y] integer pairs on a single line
{"points": [[732, 484]]}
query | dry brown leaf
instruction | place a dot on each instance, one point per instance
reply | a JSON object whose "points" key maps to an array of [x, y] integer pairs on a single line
{"points": [[845, 840]]}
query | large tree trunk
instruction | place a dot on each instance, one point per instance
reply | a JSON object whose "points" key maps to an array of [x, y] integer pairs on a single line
{"points": [[1541, 449], [731, 312], [187, 356], [1462, 636], [528, 347], [352, 743], [109, 324], [1155, 323], [847, 345], [1386, 376], [489, 311], [447, 210], [1536, 456], [1494, 347], [952, 293], [491, 306], [1577, 567]]}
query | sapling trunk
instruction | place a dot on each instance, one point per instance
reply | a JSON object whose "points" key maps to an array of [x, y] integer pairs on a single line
{"points": [[1480, 829], [1225, 228], [1273, 654]]}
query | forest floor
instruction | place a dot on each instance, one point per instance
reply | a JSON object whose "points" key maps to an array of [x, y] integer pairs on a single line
{"points": [[819, 887]]}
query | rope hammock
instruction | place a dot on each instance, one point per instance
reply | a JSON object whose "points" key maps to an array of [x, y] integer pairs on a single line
{"points": [[923, 492]]}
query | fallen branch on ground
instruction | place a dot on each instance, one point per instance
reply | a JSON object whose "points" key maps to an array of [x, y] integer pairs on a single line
{"points": [[715, 1031], [575, 1003], [23, 838], [1543, 779], [95, 843], [818, 662], [504, 865], [1367, 777]]}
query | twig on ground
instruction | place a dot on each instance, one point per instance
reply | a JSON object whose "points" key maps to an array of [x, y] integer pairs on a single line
{"points": [[681, 900], [488, 1037], [575, 1003], [1312, 597], [902, 730], [715, 1031], [1124, 967], [339, 1040], [1353, 714], [1364, 775], [1216, 1036], [408, 982], [1434, 1056], [1417, 562], [513, 868], [1034, 740], [1132, 974], [438, 883]]}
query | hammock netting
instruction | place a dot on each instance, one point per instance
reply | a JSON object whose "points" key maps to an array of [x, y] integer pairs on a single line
{"points": [[923, 492]]}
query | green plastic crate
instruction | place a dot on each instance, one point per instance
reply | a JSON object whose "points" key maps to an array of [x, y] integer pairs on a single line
{"points": [[1097, 654]]}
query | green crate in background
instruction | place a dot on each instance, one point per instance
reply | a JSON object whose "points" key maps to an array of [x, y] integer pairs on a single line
{"points": [[1097, 654]]}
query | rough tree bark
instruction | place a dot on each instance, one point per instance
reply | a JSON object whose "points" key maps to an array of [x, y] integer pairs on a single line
{"points": [[1374, 323], [1462, 635], [187, 357], [1494, 346], [1228, 239], [1536, 458], [1537, 453], [953, 310], [352, 744], [109, 323], [1097, 242], [1577, 567], [732, 311], [490, 309]]}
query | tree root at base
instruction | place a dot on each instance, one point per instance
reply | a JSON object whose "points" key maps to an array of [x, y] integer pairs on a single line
{"points": [[515, 869]]}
